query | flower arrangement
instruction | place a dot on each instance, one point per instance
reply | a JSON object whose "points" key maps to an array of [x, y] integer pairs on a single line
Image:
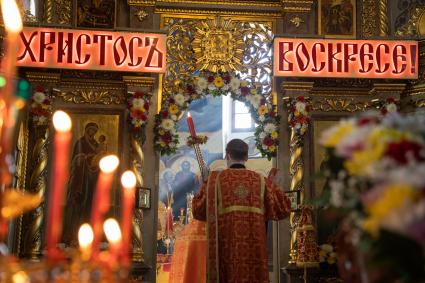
{"points": [[376, 170], [298, 116], [217, 84], [40, 107], [327, 254], [138, 105], [199, 139]]}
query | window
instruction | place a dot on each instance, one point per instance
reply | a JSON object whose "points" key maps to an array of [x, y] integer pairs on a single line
{"points": [[241, 118]]}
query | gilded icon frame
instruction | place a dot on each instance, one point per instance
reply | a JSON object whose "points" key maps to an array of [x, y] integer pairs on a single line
{"points": [[338, 28]]}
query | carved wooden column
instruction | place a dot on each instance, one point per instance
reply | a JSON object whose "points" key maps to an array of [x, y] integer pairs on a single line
{"points": [[296, 164], [384, 27], [137, 165], [31, 245]]}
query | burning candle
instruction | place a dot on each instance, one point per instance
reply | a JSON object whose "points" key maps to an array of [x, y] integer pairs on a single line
{"points": [[13, 25], [128, 181], [85, 240], [101, 200], [190, 125], [113, 234], [62, 124]]}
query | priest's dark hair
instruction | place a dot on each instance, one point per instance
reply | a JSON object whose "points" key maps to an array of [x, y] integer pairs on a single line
{"points": [[237, 150]]}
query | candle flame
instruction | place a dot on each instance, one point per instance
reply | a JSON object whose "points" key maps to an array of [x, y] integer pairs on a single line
{"points": [[11, 16], [85, 235], [109, 163], [112, 231], [128, 179], [188, 114], [61, 121]]}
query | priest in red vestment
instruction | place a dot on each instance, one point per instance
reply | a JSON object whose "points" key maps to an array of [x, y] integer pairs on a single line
{"points": [[236, 204]]}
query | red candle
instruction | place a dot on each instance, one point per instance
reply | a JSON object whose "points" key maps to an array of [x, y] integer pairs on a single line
{"points": [[190, 125], [101, 200], [62, 139], [128, 181], [13, 25], [113, 234], [85, 240]]}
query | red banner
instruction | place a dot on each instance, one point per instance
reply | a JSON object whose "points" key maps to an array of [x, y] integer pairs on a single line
{"points": [[92, 50], [300, 57]]}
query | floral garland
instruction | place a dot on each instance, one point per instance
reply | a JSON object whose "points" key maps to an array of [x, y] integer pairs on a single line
{"points": [[138, 105], [298, 117], [40, 107], [389, 106], [199, 139], [266, 135]]}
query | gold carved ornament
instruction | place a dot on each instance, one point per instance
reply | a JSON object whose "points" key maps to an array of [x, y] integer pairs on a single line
{"points": [[340, 105], [91, 96], [218, 46]]}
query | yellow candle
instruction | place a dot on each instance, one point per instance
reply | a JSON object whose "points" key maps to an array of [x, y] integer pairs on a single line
{"points": [[85, 240]]}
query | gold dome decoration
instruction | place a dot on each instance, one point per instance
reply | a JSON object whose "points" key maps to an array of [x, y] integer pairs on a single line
{"points": [[218, 46]]}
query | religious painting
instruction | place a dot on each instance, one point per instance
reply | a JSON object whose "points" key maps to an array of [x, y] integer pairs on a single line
{"points": [[93, 136], [96, 14], [143, 197], [337, 18]]}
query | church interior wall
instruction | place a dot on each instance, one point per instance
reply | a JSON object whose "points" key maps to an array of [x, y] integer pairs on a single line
{"points": [[331, 98]]}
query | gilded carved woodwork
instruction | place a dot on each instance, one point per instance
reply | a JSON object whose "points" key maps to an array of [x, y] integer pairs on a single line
{"points": [[249, 3], [340, 105], [303, 6], [214, 12], [415, 25], [257, 36], [369, 18], [57, 12], [91, 96], [297, 21], [137, 166], [21, 170], [383, 18], [141, 14], [32, 244], [209, 39]]}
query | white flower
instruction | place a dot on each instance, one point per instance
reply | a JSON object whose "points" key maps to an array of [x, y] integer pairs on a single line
{"points": [[39, 97], [174, 117], [269, 128], [202, 83], [167, 124], [235, 84], [255, 100], [179, 99], [138, 103], [262, 135], [300, 106], [211, 87], [261, 118], [225, 87], [391, 107]]}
